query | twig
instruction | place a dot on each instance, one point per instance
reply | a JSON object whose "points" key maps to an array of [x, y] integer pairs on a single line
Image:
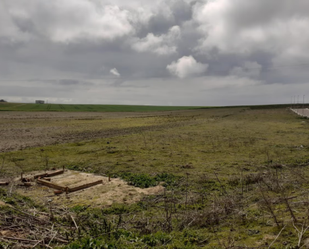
{"points": [[300, 233], [223, 188], [276, 237], [74, 222], [52, 229], [10, 192], [37, 219], [19, 239], [268, 205], [40, 241]]}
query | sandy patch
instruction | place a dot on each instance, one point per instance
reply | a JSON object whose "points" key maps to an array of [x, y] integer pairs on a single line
{"points": [[114, 191]]}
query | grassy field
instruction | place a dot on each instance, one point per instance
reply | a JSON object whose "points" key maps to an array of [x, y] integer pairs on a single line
{"points": [[234, 177], [87, 108], [117, 108]]}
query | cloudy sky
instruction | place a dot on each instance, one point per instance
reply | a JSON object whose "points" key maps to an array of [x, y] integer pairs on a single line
{"points": [[154, 52]]}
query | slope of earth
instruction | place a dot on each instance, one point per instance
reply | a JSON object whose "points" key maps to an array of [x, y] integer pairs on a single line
{"points": [[88, 108]]}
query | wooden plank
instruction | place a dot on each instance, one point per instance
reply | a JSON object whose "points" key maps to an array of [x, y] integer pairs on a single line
{"points": [[40, 175], [58, 172], [85, 186], [51, 185]]}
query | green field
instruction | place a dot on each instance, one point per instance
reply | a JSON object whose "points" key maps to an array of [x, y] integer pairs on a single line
{"points": [[115, 108], [88, 108], [234, 178]]}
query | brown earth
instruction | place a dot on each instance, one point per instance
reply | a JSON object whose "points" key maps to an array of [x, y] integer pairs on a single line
{"points": [[20, 130]]}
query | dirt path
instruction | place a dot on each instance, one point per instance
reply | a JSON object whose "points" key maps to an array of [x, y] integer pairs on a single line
{"points": [[304, 112]]}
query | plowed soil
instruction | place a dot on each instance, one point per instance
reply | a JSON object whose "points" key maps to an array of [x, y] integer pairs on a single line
{"points": [[20, 130]]}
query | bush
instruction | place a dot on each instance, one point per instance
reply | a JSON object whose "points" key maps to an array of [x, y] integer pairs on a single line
{"points": [[139, 180], [146, 181]]}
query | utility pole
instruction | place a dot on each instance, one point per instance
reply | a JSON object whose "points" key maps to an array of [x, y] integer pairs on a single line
{"points": [[291, 102], [303, 104]]}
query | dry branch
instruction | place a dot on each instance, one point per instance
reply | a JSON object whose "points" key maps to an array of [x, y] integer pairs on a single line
{"points": [[19, 239]]}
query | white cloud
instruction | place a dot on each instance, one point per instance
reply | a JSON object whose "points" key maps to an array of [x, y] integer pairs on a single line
{"points": [[63, 21], [186, 66], [115, 72], [163, 45], [245, 27]]}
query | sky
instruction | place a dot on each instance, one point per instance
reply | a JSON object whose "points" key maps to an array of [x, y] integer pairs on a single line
{"points": [[162, 52]]}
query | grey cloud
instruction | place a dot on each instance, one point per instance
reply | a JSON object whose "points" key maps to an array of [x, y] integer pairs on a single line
{"points": [[73, 82], [175, 14], [68, 49], [250, 69]]}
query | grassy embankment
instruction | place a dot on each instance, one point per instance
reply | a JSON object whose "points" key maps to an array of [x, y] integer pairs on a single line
{"points": [[234, 177], [29, 107], [87, 108]]}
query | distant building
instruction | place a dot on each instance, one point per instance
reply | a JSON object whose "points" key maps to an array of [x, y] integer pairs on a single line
{"points": [[40, 102]]}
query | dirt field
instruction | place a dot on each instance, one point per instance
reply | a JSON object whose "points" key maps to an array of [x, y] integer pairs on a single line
{"points": [[20, 130]]}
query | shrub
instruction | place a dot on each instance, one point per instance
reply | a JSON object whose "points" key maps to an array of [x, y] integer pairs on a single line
{"points": [[146, 181]]}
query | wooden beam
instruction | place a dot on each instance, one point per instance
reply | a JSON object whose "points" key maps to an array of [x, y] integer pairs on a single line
{"points": [[58, 172], [85, 186], [40, 175], [51, 185]]}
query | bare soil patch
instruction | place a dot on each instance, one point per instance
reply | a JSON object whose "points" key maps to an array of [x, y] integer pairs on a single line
{"points": [[106, 194]]}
